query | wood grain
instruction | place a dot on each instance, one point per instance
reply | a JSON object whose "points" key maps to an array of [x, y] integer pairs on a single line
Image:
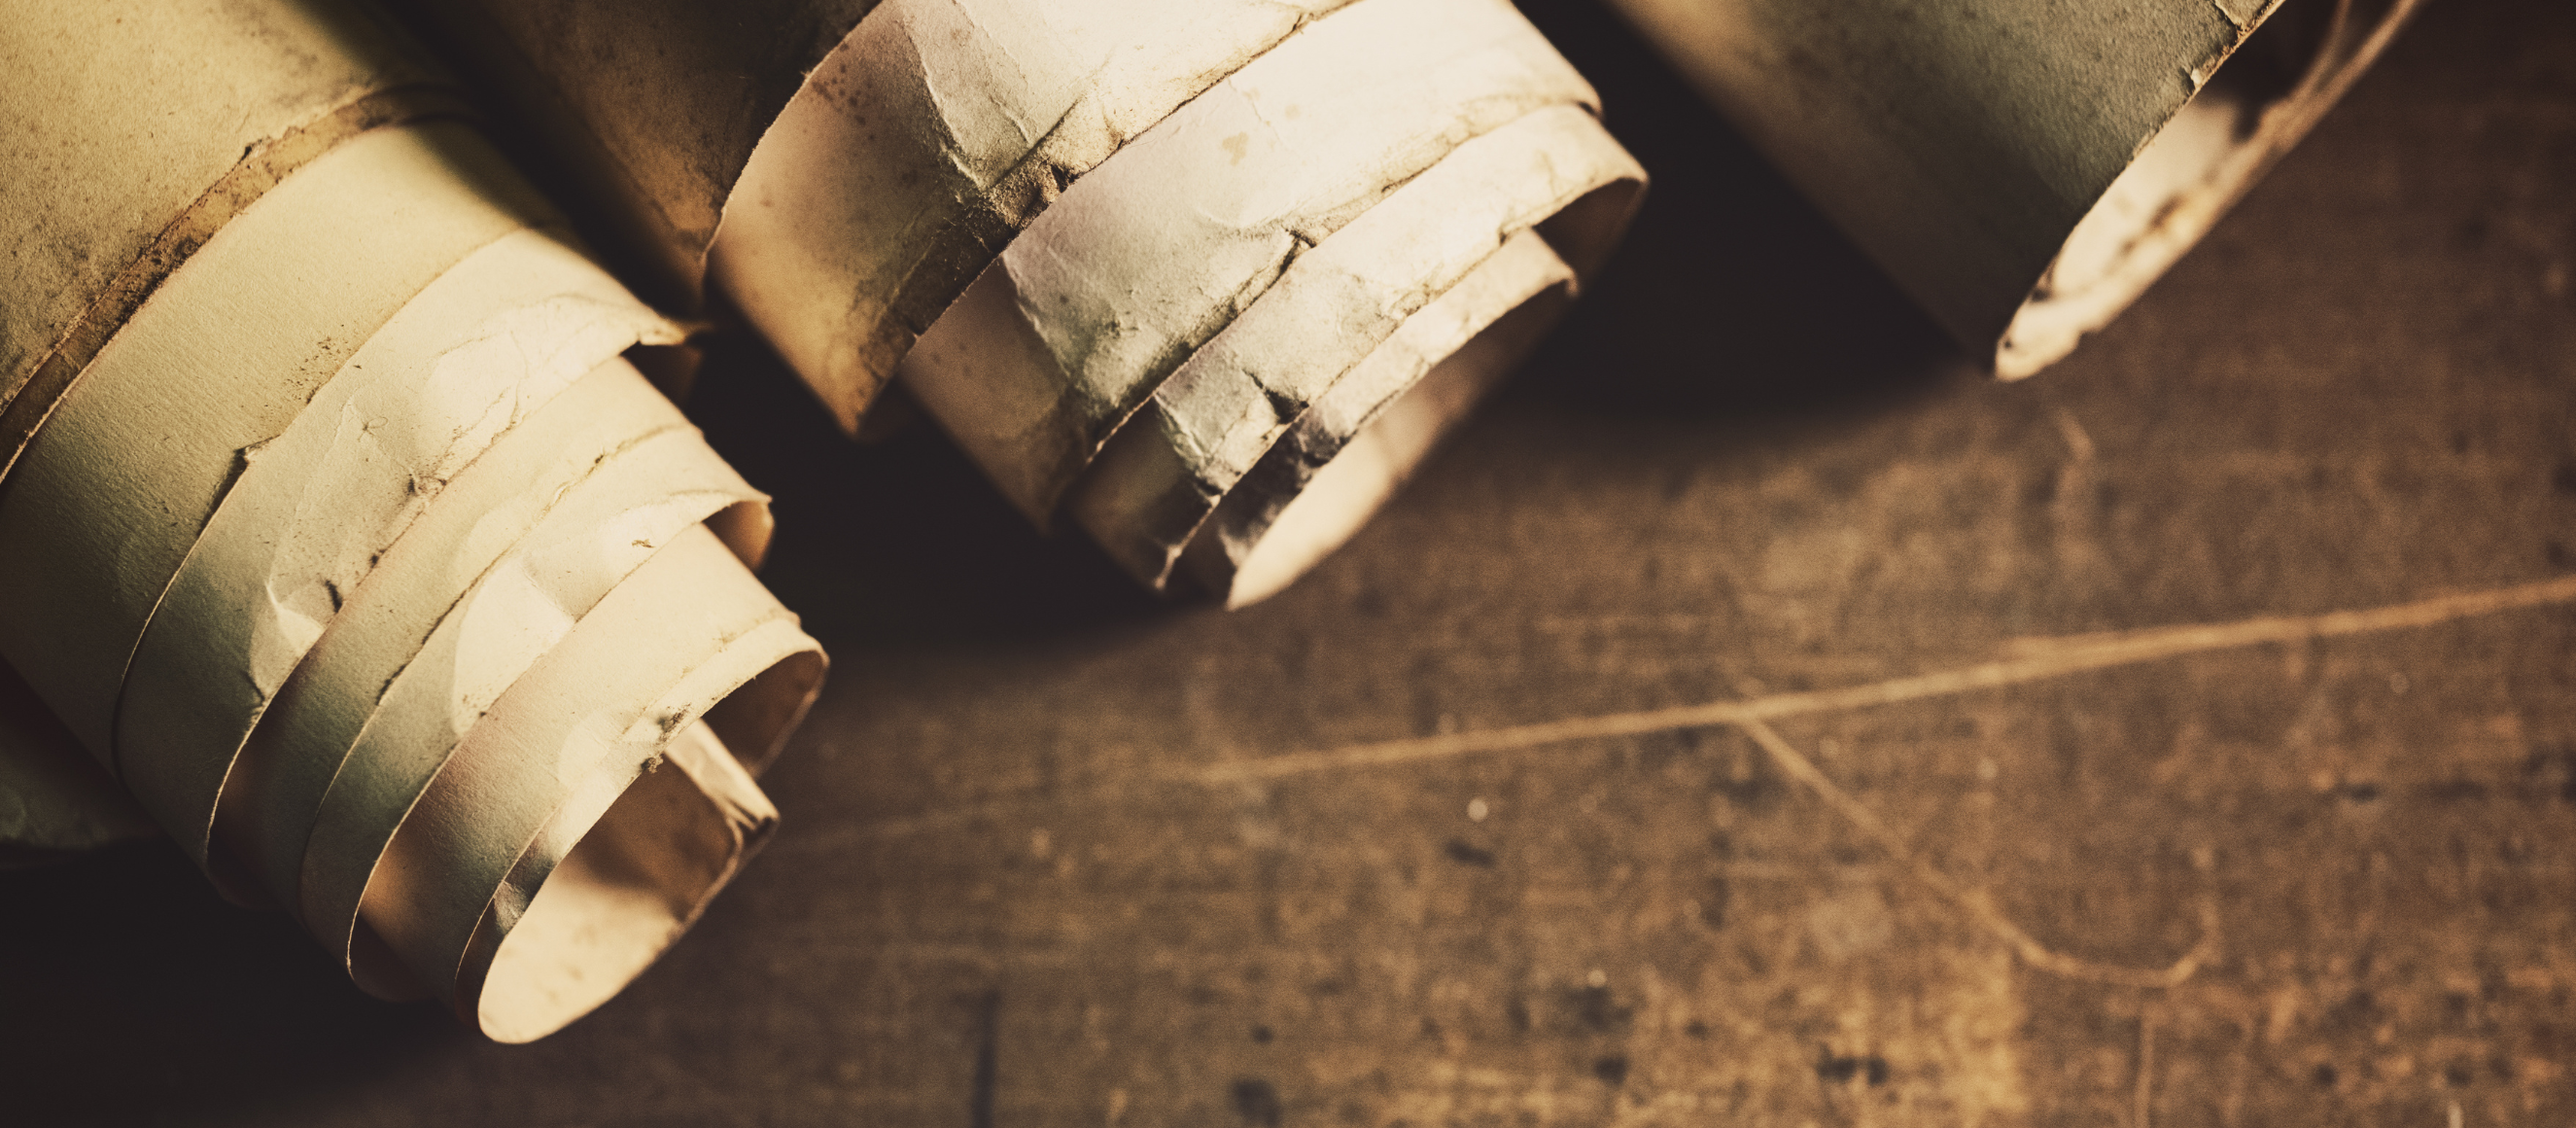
{"points": [[1033, 872]]}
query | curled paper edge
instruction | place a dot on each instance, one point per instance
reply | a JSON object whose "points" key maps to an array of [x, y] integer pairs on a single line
{"points": [[841, 281], [2183, 180], [1962, 149], [1140, 263], [517, 980], [1159, 478], [551, 315], [414, 729], [382, 241], [103, 531], [607, 451], [502, 984], [690, 628], [1349, 452]]}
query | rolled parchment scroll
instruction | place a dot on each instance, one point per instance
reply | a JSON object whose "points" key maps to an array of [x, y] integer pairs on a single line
{"points": [[335, 528], [1046, 215], [2024, 168]]}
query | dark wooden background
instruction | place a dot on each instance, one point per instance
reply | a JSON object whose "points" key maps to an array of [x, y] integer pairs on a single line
{"points": [[1034, 870]]}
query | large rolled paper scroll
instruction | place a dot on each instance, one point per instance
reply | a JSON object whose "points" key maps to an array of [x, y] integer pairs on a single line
{"points": [[2024, 168], [1045, 216], [336, 529]]}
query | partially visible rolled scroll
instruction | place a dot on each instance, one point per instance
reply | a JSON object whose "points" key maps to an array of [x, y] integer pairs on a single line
{"points": [[2025, 169]]}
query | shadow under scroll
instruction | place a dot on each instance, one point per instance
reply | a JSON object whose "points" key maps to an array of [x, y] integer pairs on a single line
{"points": [[135, 994], [1732, 295]]}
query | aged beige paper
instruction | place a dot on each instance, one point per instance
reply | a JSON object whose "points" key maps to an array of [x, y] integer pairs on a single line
{"points": [[930, 137], [687, 629], [1342, 459], [373, 222], [489, 343], [138, 128], [520, 610], [604, 466], [1158, 479], [1143, 261], [842, 178], [648, 866], [649, 108]]}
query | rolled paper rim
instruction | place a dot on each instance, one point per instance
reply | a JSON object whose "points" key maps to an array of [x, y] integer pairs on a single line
{"points": [[2060, 311], [405, 845], [1960, 149], [446, 865], [1345, 457], [176, 736], [1083, 316], [383, 775], [805, 154], [264, 815], [560, 901], [25, 408], [1158, 480], [618, 899], [607, 449]]}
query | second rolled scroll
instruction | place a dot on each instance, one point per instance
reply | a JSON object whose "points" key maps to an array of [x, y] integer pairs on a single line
{"points": [[1208, 277]]}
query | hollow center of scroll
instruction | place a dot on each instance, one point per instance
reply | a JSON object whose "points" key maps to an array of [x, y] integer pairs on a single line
{"points": [[2177, 186], [1347, 491], [623, 894]]}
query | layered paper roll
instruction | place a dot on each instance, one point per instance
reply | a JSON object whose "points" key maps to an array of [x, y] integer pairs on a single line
{"points": [[2025, 169], [336, 517], [1066, 206], [1337, 462], [1552, 171]]}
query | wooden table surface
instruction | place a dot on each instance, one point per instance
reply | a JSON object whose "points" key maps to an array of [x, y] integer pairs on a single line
{"points": [[2183, 737]]}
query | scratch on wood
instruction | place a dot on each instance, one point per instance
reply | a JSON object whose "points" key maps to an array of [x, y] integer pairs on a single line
{"points": [[2038, 660], [2030, 660], [1978, 903]]}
